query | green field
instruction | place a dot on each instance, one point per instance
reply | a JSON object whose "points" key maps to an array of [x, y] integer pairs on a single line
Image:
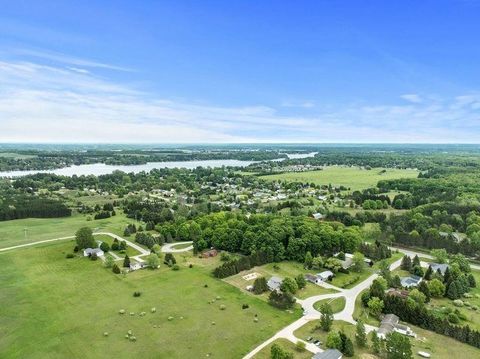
{"points": [[13, 232], [53, 307], [353, 178]]}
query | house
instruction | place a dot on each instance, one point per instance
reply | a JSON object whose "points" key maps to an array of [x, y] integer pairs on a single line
{"points": [[328, 354], [274, 283], [311, 278], [87, 252], [390, 323], [439, 267], [135, 266], [317, 216], [324, 276], [411, 281]]}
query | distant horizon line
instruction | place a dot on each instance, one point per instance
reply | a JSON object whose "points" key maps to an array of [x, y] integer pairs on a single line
{"points": [[237, 143]]}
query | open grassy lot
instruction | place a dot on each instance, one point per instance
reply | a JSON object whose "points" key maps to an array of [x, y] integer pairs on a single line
{"points": [[337, 304], [282, 270], [286, 345], [13, 232], [361, 312], [53, 307], [350, 177]]}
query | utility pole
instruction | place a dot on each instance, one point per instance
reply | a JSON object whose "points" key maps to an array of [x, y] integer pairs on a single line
{"points": [[25, 233]]}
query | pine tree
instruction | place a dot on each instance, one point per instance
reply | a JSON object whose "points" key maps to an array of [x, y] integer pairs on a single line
{"points": [[428, 273], [348, 347], [308, 260], [416, 261], [406, 263], [361, 335], [126, 261], [452, 291], [471, 281], [375, 343], [447, 277], [423, 287], [115, 269]]}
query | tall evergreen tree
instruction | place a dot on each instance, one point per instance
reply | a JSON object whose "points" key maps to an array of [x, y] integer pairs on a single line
{"points": [[361, 335], [126, 261], [326, 317]]}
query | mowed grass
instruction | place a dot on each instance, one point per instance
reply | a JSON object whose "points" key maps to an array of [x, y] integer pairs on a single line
{"points": [[53, 307], [337, 304], [285, 345], [12, 233], [283, 269], [440, 346], [351, 177]]}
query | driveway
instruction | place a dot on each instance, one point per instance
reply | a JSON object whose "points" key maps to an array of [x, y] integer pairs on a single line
{"points": [[170, 247]]}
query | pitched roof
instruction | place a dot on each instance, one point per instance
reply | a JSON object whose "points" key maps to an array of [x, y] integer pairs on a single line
{"points": [[328, 354], [274, 283]]}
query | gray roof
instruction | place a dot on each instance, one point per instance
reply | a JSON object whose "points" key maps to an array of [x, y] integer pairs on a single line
{"points": [[93, 250], [388, 324], [326, 274], [436, 266], [328, 354], [274, 283], [411, 281]]}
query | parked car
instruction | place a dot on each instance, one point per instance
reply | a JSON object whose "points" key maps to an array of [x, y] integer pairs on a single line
{"points": [[309, 339], [317, 343]]}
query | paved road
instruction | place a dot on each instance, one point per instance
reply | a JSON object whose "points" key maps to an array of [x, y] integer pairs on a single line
{"points": [[169, 247], [35, 243]]}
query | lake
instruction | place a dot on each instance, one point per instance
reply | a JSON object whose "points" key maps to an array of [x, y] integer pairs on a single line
{"points": [[98, 169]]}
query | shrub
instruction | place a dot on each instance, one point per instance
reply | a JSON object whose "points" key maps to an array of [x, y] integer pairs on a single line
{"points": [[121, 311], [153, 310], [190, 265], [93, 257], [170, 318], [452, 318], [300, 346], [175, 267], [137, 294], [222, 307], [116, 269], [458, 303], [105, 334], [75, 249], [70, 255], [245, 306]]}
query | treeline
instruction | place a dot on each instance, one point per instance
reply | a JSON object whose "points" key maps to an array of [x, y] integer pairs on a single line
{"points": [[424, 318], [359, 219], [237, 265], [278, 237], [24, 206]]}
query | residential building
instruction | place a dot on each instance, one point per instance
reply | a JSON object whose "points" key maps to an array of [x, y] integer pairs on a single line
{"points": [[328, 354], [412, 281], [391, 323], [325, 276], [87, 252], [274, 283]]}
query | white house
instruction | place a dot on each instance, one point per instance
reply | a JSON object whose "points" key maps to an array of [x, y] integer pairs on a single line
{"points": [[274, 283], [324, 276], [87, 252], [317, 216]]}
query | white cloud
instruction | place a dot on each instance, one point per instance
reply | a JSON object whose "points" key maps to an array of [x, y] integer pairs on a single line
{"points": [[41, 103], [412, 98]]}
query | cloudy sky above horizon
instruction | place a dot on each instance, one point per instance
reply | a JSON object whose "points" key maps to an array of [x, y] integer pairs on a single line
{"points": [[239, 71]]}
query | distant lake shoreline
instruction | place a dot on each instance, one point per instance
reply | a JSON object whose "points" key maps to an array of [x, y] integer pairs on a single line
{"points": [[98, 169]]}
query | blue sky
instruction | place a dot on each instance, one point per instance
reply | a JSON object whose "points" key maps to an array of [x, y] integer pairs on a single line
{"points": [[240, 71]]}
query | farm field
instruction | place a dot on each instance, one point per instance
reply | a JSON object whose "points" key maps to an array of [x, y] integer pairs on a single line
{"points": [[350, 177], [38, 229], [83, 301]]}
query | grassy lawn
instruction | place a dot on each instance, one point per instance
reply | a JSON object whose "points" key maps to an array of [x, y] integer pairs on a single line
{"points": [[472, 316], [181, 245], [286, 345], [362, 313], [12, 232], [353, 178], [53, 307], [440, 346], [109, 240], [337, 304], [282, 270]]}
